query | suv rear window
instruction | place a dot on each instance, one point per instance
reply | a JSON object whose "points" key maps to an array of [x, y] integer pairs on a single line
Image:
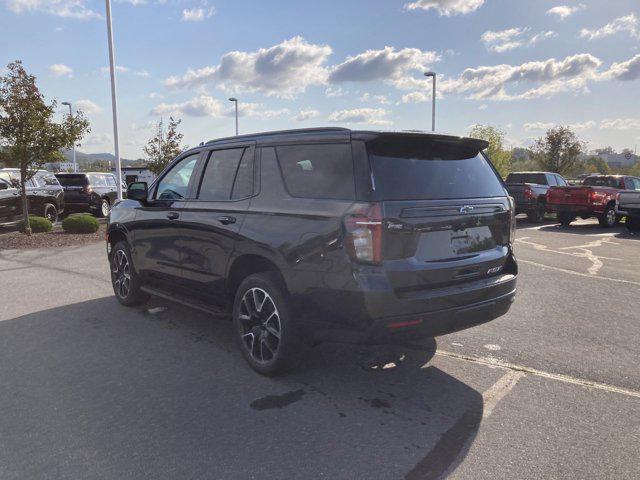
{"points": [[72, 180], [318, 171], [537, 178], [604, 182], [409, 168]]}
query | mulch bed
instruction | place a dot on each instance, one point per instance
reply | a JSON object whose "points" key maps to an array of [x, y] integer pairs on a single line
{"points": [[10, 240]]}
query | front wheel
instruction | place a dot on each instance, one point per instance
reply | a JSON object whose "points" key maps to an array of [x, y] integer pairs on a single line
{"points": [[537, 215], [609, 217], [51, 213], [124, 279], [105, 208], [263, 325]]}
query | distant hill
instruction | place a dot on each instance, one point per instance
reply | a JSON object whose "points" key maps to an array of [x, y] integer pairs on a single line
{"points": [[85, 159]]}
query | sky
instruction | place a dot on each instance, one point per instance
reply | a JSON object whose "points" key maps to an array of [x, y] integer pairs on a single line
{"points": [[521, 65]]}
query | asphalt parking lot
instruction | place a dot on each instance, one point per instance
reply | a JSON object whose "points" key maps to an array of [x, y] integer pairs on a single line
{"points": [[91, 389]]}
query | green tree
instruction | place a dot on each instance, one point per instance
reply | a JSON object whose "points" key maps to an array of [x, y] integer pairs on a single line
{"points": [[596, 164], [29, 137], [164, 146], [500, 157], [558, 151]]}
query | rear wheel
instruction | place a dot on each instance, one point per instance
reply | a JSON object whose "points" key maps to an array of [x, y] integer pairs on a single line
{"points": [[537, 215], [609, 217], [124, 279], [263, 325], [104, 209], [51, 213], [565, 219]]}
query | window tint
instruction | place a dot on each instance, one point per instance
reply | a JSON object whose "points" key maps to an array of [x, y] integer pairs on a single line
{"points": [[551, 180], [604, 182], [175, 183], [408, 168], [97, 180], [73, 180], [219, 174], [48, 179], [537, 178], [318, 171], [561, 181], [243, 186], [111, 181]]}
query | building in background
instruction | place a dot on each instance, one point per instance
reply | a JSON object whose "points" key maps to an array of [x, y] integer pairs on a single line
{"points": [[617, 160], [136, 174]]}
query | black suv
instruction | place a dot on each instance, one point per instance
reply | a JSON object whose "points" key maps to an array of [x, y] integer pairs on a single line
{"points": [[89, 192], [44, 196], [322, 235]]}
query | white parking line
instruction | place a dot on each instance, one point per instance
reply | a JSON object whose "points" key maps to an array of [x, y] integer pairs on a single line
{"points": [[499, 390], [495, 362], [579, 274]]}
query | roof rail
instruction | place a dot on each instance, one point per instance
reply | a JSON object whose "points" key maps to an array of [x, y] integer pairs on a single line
{"points": [[281, 132]]}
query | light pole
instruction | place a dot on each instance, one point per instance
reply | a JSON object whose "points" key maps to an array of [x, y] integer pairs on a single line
{"points": [[235, 100], [75, 165], [114, 105], [433, 100]]}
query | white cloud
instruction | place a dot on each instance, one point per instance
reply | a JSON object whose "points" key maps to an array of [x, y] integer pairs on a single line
{"points": [[629, 24], [564, 11], [505, 40], [141, 73], [307, 114], [385, 64], [282, 70], [119, 69], [416, 97], [629, 70], [484, 106], [155, 95], [446, 7], [88, 107], [60, 70], [197, 14], [578, 127], [200, 106], [334, 92], [369, 116], [61, 8], [96, 140], [621, 123], [538, 126], [379, 99], [490, 82]]}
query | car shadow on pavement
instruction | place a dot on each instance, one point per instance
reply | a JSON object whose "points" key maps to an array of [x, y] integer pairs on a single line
{"points": [[96, 390]]}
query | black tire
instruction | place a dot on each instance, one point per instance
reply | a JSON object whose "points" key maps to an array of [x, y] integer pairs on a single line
{"points": [[633, 224], [565, 219], [609, 218], [50, 213], [261, 314], [537, 215], [104, 208], [127, 290]]}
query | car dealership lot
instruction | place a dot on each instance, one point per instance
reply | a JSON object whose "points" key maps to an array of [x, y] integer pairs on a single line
{"points": [[94, 390]]}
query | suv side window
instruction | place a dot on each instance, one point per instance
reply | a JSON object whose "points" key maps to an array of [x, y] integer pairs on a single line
{"points": [[318, 171], [243, 186], [111, 181], [551, 180], [219, 174], [97, 180], [174, 185], [560, 181]]}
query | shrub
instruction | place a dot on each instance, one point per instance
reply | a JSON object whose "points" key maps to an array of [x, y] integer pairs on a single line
{"points": [[38, 224], [80, 223]]}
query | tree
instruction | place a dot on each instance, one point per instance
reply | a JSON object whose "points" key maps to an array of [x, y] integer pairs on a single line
{"points": [[558, 151], [29, 137], [605, 150], [596, 164], [164, 146], [500, 157]]}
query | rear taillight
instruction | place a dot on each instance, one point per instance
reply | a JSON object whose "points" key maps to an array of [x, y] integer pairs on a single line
{"points": [[363, 233], [528, 193], [512, 220]]}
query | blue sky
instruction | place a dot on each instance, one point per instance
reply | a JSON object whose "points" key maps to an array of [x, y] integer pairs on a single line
{"points": [[522, 65]]}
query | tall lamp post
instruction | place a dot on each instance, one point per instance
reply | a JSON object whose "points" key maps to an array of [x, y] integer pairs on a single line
{"points": [[75, 165], [235, 100], [114, 105], [433, 100]]}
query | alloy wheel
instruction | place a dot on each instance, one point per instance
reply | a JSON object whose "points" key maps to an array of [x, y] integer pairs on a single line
{"points": [[121, 274], [105, 208], [611, 217], [260, 326]]}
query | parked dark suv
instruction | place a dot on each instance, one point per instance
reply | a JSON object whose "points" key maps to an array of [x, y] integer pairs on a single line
{"points": [[89, 192], [322, 235], [44, 196]]}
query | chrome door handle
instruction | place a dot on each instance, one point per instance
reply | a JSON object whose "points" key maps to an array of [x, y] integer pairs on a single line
{"points": [[226, 220], [173, 215]]}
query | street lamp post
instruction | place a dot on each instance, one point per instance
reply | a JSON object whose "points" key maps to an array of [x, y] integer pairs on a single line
{"points": [[114, 105], [235, 100], [75, 165], [433, 100]]}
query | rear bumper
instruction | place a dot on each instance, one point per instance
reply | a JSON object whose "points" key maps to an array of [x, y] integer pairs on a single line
{"points": [[80, 207], [581, 210]]}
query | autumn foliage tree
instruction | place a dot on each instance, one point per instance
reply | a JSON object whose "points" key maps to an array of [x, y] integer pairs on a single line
{"points": [[558, 151], [29, 136], [164, 146], [496, 152]]}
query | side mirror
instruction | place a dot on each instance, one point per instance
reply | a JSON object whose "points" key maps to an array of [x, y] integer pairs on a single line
{"points": [[138, 191], [4, 186]]}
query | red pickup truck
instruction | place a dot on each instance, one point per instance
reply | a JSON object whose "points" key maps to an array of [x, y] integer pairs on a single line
{"points": [[596, 197]]}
